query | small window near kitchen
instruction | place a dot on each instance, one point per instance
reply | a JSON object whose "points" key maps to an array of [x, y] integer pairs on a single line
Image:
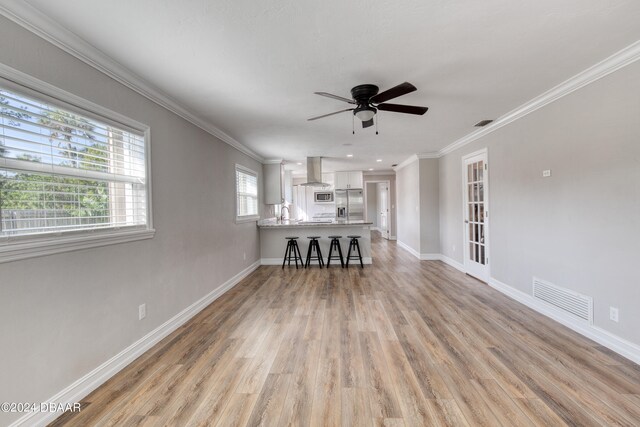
{"points": [[246, 194]]}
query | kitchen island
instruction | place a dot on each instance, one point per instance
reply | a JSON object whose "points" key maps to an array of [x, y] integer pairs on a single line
{"points": [[273, 243]]}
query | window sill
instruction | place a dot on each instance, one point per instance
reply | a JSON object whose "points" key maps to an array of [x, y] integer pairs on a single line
{"points": [[241, 220], [41, 246]]}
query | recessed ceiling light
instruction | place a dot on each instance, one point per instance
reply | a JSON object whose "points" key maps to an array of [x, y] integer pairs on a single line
{"points": [[299, 164], [349, 155], [379, 160], [370, 169]]}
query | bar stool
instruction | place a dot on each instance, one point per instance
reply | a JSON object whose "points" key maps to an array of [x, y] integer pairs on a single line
{"points": [[292, 246], [314, 246], [335, 243], [353, 244]]}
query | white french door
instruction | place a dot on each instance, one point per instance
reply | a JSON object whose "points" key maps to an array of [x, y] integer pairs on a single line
{"points": [[476, 212]]}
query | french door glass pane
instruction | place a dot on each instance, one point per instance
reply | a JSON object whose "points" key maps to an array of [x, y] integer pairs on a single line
{"points": [[475, 199]]}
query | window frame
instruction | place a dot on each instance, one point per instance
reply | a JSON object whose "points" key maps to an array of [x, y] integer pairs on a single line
{"points": [[245, 218], [18, 247]]}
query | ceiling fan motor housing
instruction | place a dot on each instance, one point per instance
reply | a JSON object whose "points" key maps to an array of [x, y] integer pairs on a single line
{"points": [[362, 93]]}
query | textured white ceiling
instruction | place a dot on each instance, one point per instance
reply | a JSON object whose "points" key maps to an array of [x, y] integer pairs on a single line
{"points": [[251, 67]]}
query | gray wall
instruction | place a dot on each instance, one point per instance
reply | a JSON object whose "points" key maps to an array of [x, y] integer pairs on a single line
{"points": [[392, 198], [63, 315], [418, 206], [429, 207], [372, 203], [578, 228], [408, 193]]}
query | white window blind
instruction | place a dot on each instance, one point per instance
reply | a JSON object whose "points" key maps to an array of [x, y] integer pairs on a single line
{"points": [[246, 193], [63, 171]]}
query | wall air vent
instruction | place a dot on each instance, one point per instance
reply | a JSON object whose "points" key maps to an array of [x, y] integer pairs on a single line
{"points": [[482, 123], [578, 305]]}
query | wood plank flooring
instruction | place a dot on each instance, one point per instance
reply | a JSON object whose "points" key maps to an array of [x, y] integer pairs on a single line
{"points": [[398, 343]]}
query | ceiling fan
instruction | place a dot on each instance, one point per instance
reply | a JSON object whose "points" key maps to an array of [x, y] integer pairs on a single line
{"points": [[368, 101]]}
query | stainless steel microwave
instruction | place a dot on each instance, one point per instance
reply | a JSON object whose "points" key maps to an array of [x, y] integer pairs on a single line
{"points": [[323, 196]]}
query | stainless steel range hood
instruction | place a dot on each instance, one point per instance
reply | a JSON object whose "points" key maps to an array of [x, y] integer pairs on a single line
{"points": [[314, 172]]}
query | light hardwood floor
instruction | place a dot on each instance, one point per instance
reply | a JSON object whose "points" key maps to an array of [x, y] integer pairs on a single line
{"points": [[400, 343]]}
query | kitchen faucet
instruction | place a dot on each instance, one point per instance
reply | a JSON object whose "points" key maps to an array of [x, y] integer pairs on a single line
{"points": [[282, 214]]}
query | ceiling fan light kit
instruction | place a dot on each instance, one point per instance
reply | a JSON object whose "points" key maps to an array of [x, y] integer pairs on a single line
{"points": [[364, 113], [368, 101]]}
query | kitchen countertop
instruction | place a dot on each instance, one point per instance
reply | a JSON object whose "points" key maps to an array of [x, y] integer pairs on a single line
{"points": [[272, 223]]}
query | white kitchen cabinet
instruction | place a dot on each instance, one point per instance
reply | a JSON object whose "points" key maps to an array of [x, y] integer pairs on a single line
{"points": [[355, 179], [348, 180], [341, 180], [273, 184]]}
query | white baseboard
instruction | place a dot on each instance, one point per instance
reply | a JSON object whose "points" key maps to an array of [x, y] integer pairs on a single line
{"points": [[613, 342], [422, 257], [408, 249], [393, 238], [85, 385], [278, 261], [453, 263]]}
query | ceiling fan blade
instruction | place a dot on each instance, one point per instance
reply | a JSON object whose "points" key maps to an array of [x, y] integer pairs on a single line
{"points": [[330, 114], [394, 92], [339, 98], [408, 109], [367, 123]]}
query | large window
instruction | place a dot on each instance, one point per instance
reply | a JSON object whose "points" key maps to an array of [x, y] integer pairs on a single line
{"points": [[246, 194], [66, 171]]}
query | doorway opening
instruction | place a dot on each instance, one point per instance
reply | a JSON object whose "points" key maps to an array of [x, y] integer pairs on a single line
{"points": [[377, 197]]}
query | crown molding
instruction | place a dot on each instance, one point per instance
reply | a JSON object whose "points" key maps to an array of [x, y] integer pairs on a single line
{"points": [[412, 158], [432, 155], [417, 156], [618, 60], [272, 161], [46, 28]]}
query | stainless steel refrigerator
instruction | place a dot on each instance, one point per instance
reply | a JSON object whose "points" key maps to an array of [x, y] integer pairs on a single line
{"points": [[349, 205]]}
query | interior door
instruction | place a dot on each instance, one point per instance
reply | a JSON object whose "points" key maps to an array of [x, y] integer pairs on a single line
{"points": [[476, 230], [383, 209]]}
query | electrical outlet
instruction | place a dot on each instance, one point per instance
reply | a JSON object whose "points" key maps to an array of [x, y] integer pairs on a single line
{"points": [[546, 173], [613, 313], [142, 311], [454, 248], [244, 256]]}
